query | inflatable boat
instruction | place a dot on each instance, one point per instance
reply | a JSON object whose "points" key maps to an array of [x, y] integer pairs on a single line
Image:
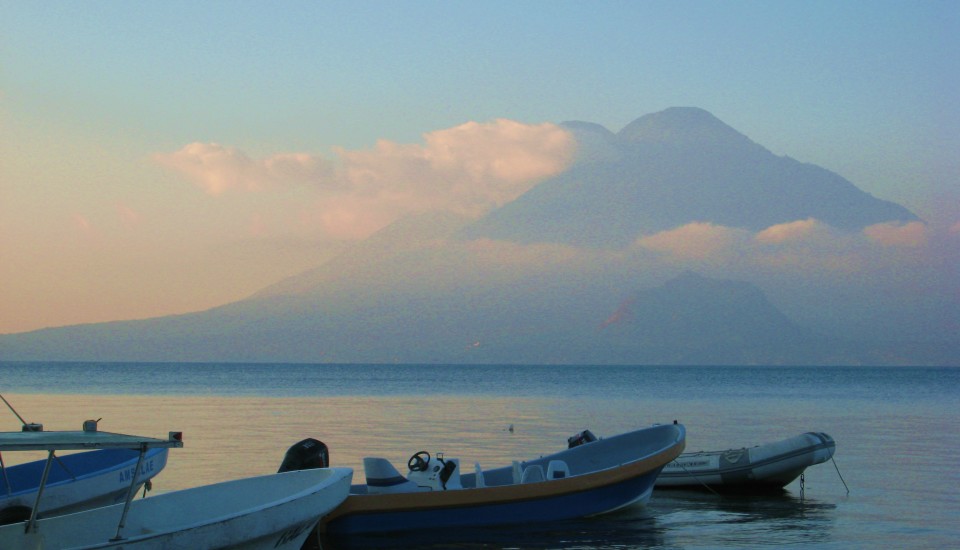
{"points": [[765, 467]]}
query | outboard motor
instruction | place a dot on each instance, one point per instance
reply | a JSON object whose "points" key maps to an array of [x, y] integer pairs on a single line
{"points": [[306, 455], [586, 436]]}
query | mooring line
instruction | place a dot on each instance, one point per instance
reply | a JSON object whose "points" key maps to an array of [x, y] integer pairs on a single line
{"points": [[839, 474], [694, 476]]}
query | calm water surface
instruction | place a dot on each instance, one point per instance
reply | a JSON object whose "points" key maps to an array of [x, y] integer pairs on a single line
{"points": [[896, 432]]}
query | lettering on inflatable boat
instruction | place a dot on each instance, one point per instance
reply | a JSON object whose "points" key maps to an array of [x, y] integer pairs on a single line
{"points": [[292, 533], [127, 474], [693, 463]]}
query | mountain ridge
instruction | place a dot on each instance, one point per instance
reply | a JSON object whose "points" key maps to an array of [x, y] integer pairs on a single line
{"points": [[671, 168], [440, 288]]}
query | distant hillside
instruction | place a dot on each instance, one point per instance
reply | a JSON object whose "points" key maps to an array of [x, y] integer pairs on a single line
{"points": [[696, 320], [688, 320], [438, 289], [671, 168], [402, 245]]}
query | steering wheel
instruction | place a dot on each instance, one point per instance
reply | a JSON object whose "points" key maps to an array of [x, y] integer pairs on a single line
{"points": [[419, 462]]}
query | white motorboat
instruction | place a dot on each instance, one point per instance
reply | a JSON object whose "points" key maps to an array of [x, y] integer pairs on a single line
{"points": [[273, 511]]}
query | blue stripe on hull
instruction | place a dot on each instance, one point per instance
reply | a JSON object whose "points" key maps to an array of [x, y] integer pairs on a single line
{"points": [[575, 505]]}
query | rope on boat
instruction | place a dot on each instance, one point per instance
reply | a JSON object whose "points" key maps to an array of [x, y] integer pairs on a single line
{"points": [[839, 474], [694, 476], [14, 411], [6, 480], [64, 466], [24, 422]]}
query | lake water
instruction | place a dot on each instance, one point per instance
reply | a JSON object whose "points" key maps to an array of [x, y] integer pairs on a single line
{"points": [[896, 431]]}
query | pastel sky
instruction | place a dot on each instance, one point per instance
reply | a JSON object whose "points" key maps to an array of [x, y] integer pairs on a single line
{"points": [[160, 158]]}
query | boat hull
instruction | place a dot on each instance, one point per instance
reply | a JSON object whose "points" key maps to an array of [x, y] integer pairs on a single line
{"points": [[619, 480], [766, 467], [275, 511], [78, 481], [506, 511]]}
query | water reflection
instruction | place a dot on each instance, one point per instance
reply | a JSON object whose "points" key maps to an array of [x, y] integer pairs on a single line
{"points": [[741, 520], [619, 530], [673, 519]]}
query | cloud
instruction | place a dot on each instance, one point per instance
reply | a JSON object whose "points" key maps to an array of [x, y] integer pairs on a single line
{"points": [[794, 232], [468, 169], [356, 216], [504, 151], [218, 169], [805, 246], [696, 241], [800, 247], [913, 234], [808, 247]]}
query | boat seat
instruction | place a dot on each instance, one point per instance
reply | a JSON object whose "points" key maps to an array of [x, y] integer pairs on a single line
{"points": [[532, 474], [517, 473], [480, 483], [454, 481], [557, 469], [383, 478]]}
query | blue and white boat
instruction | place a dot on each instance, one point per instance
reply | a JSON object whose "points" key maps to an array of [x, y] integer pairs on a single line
{"points": [[583, 480], [71, 482], [76, 482]]}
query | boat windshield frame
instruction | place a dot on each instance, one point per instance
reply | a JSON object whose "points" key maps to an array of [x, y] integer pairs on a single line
{"points": [[79, 441]]}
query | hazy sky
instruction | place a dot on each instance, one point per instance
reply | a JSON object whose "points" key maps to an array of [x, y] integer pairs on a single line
{"points": [[160, 158]]}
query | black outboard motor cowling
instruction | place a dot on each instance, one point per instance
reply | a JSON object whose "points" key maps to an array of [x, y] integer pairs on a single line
{"points": [[306, 455], [586, 436]]}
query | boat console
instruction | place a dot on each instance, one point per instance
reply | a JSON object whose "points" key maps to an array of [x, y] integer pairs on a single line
{"points": [[438, 474], [424, 474]]}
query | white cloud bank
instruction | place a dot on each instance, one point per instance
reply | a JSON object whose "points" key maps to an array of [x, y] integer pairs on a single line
{"points": [[913, 234], [468, 169], [801, 247], [696, 241], [800, 231], [218, 169]]}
